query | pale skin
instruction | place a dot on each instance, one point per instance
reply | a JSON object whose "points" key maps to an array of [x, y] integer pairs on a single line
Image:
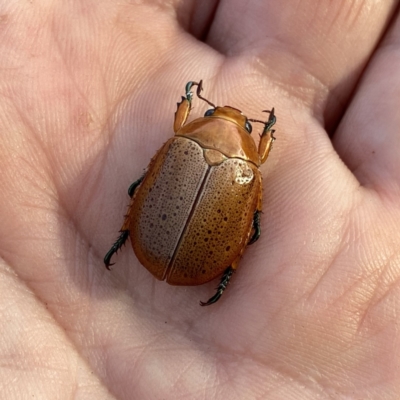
{"points": [[88, 92]]}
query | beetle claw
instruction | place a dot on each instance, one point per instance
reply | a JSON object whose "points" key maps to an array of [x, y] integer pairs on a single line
{"points": [[221, 287], [271, 121], [188, 88], [114, 248], [109, 265], [212, 300]]}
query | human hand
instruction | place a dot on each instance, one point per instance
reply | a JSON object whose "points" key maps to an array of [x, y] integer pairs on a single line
{"points": [[88, 94]]}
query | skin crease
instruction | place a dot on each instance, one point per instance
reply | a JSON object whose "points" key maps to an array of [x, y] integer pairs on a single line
{"points": [[88, 91]]}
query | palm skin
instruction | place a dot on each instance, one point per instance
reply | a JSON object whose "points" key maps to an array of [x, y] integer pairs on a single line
{"points": [[88, 94]]}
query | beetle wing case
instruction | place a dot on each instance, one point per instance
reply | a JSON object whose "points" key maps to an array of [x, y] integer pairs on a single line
{"points": [[191, 220]]}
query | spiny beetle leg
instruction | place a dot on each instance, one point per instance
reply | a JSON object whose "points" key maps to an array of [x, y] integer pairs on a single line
{"points": [[134, 186], [115, 247], [188, 89], [221, 287], [256, 227], [270, 123]]}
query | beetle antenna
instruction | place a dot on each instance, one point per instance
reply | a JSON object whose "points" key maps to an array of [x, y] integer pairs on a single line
{"points": [[256, 120], [199, 89]]}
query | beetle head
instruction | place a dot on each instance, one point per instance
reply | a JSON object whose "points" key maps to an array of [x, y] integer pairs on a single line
{"points": [[231, 114]]}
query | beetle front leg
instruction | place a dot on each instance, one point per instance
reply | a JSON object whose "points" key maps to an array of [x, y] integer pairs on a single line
{"points": [[184, 107], [267, 137]]}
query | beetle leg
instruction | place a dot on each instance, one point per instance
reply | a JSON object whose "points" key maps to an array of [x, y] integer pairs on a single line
{"points": [[181, 113], [184, 107], [256, 227], [221, 287], [267, 137], [134, 186], [124, 231], [115, 247]]}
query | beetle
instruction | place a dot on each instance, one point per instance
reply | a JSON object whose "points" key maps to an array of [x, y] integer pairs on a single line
{"points": [[198, 204]]}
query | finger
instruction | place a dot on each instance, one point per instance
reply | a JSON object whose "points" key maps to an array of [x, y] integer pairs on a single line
{"points": [[315, 53], [368, 138]]}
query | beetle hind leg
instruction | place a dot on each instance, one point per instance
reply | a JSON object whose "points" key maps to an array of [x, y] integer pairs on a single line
{"points": [[221, 287], [115, 247]]}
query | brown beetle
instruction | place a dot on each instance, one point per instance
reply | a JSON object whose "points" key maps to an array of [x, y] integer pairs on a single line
{"points": [[198, 204]]}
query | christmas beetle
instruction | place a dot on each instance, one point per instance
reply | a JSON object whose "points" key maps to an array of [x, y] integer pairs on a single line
{"points": [[198, 204]]}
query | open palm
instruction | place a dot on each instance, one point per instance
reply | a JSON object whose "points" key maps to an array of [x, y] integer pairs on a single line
{"points": [[88, 92]]}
